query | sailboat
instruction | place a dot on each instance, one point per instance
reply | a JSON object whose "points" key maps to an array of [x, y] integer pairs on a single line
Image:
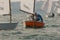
{"points": [[5, 8], [50, 8], [57, 4], [28, 6]]}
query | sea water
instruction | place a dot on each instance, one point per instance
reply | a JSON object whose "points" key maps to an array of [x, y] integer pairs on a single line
{"points": [[51, 31]]}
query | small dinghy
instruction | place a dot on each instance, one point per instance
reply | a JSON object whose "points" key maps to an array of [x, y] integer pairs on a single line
{"points": [[34, 24], [28, 6]]}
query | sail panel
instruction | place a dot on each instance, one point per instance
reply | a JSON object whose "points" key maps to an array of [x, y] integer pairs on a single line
{"points": [[47, 5], [27, 5], [58, 10], [4, 7]]}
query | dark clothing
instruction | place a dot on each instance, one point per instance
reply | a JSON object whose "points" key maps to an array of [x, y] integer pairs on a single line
{"points": [[39, 18], [52, 15]]}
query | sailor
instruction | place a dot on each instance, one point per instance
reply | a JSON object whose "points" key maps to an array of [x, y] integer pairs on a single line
{"points": [[37, 17], [52, 15]]}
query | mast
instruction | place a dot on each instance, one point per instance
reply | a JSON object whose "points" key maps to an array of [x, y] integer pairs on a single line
{"points": [[34, 7], [10, 11], [34, 13]]}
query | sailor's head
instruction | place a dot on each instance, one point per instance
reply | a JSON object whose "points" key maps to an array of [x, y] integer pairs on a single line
{"points": [[35, 13]]}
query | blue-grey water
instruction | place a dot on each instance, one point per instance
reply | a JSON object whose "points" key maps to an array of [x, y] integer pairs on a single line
{"points": [[50, 32]]}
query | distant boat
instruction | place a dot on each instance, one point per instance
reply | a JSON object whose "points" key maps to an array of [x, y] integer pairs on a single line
{"points": [[5, 9], [57, 8], [51, 8], [28, 6], [53, 15]]}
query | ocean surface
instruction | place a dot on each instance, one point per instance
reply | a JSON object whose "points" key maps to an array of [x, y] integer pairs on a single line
{"points": [[51, 30]]}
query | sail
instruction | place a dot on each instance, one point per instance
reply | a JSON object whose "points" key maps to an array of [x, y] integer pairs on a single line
{"points": [[27, 5], [47, 5], [44, 5], [58, 10], [4, 7]]}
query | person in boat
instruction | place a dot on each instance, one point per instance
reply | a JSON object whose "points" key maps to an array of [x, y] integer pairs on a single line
{"points": [[37, 17], [52, 15]]}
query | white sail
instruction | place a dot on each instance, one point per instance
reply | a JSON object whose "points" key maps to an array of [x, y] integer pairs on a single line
{"points": [[58, 10], [27, 5], [44, 4], [48, 4], [4, 7], [58, 7]]}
